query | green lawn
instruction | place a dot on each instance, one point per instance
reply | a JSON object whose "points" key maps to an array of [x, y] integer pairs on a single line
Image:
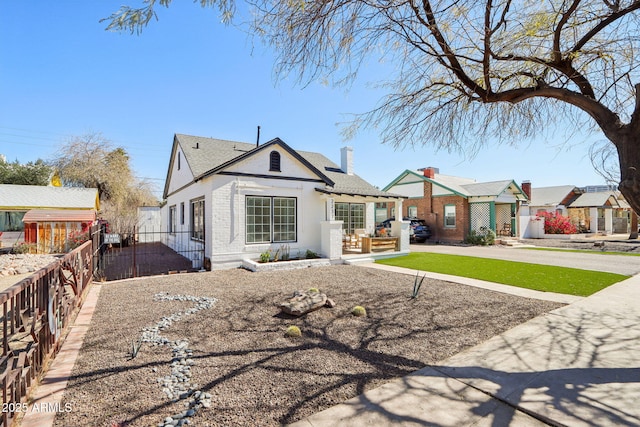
{"points": [[545, 278]]}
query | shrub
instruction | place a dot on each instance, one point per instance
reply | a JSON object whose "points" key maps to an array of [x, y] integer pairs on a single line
{"points": [[293, 332], [484, 236], [316, 290], [24, 248], [555, 223], [265, 256], [76, 238], [358, 311], [311, 255]]}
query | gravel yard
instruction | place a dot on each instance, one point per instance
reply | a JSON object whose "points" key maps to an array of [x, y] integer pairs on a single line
{"points": [[254, 374]]}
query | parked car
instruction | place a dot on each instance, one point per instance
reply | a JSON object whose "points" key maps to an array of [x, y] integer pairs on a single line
{"points": [[419, 231]]}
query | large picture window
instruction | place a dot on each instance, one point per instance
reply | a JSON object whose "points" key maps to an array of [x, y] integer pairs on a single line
{"points": [[351, 214], [197, 219], [450, 216], [271, 219]]}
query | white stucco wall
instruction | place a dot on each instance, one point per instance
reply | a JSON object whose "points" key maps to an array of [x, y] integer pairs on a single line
{"points": [[180, 173]]}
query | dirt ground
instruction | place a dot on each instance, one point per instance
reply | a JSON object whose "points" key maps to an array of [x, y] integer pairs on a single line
{"points": [[254, 373]]}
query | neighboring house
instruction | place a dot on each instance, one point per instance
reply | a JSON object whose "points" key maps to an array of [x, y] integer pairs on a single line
{"points": [[45, 216], [238, 200], [602, 210], [453, 206]]}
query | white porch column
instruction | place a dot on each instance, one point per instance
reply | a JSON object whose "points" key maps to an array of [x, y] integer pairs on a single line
{"points": [[331, 232], [400, 228], [593, 220], [608, 221], [331, 239]]}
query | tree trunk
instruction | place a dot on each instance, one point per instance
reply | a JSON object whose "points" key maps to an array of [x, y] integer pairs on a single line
{"points": [[634, 225], [629, 156]]}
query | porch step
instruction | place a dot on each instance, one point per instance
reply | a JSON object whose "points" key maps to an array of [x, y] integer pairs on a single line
{"points": [[511, 242], [359, 260]]}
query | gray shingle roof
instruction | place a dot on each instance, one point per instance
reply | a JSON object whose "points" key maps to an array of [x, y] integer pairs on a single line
{"points": [[494, 188], [596, 199], [212, 155], [34, 196], [550, 196]]}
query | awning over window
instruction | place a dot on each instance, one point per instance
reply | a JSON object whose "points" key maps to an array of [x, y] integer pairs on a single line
{"points": [[59, 215]]}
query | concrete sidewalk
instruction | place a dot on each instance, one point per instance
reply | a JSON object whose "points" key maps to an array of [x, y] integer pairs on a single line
{"points": [[577, 366]]}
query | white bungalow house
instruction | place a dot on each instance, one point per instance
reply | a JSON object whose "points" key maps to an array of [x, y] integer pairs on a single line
{"points": [[238, 200]]}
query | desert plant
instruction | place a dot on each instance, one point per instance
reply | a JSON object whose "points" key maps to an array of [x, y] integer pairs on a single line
{"points": [[358, 311], [265, 256], [311, 255], [135, 348], [416, 286], [285, 252], [293, 332], [316, 290]]}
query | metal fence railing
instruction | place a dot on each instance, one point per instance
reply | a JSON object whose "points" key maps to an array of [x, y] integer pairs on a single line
{"points": [[144, 253], [35, 314]]}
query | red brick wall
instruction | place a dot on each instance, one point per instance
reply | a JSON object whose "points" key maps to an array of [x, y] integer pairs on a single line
{"points": [[431, 209], [457, 233]]}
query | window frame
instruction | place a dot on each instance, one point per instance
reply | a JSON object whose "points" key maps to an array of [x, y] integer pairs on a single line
{"points": [[173, 222], [447, 217], [197, 213], [350, 225], [269, 228]]}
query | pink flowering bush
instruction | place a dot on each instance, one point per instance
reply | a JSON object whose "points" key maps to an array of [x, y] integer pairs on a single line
{"points": [[554, 223]]}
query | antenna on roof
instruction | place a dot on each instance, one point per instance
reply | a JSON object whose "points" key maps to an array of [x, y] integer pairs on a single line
{"points": [[258, 138]]}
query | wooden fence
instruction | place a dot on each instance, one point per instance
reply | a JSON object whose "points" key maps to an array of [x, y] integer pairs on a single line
{"points": [[35, 315]]}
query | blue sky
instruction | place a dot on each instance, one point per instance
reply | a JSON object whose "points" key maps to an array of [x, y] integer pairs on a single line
{"points": [[62, 75]]}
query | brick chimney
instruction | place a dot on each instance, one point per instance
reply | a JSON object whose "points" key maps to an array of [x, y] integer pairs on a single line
{"points": [[526, 188], [430, 172], [346, 160]]}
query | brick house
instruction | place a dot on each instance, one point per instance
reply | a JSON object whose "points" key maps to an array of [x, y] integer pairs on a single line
{"points": [[452, 206]]}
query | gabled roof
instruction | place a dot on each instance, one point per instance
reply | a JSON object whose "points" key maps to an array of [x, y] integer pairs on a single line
{"points": [[208, 156], [595, 200], [26, 197], [493, 188], [550, 196], [464, 187]]}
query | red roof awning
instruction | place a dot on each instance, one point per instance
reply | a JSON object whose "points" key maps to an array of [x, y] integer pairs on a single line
{"points": [[59, 215]]}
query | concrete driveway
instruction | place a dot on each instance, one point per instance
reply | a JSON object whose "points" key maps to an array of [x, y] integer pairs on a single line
{"points": [[627, 265]]}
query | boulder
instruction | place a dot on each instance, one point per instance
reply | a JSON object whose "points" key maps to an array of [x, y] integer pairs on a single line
{"points": [[303, 302]]}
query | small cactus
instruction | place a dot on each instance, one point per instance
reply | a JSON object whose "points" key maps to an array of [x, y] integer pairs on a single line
{"points": [[293, 332], [316, 290], [358, 311]]}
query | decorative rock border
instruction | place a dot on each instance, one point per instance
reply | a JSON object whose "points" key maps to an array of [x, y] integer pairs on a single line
{"points": [[285, 265], [177, 385]]}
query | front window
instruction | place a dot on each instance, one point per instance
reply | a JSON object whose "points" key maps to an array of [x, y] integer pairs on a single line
{"points": [[412, 211], [351, 214], [450, 216], [197, 219], [172, 219], [271, 219]]}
